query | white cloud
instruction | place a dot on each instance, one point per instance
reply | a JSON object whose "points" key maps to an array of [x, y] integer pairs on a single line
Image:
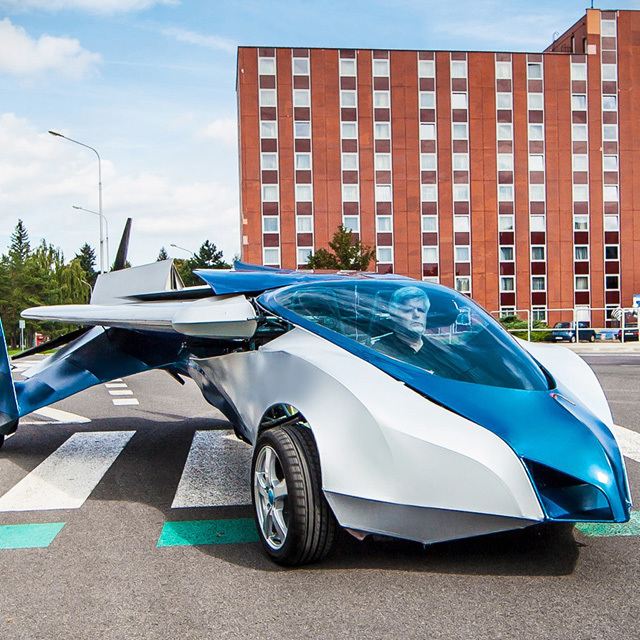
{"points": [[41, 177], [224, 130], [210, 42], [22, 55], [92, 6]]}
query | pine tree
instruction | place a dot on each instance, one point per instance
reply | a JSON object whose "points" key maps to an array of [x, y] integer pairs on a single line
{"points": [[208, 257], [19, 248], [348, 253], [162, 255], [86, 257]]}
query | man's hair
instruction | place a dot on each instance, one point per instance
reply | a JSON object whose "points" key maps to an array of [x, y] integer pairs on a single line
{"points": [[400, 296]]}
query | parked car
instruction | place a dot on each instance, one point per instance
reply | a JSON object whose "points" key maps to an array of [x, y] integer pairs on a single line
{"points": [[566, 331], [629, 334]]}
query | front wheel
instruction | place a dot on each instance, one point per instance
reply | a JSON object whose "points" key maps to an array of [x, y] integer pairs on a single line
{"points": [[572, 339], [295, 524], [592, 338]]}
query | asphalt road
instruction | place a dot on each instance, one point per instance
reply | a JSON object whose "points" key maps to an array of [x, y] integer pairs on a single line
{"points": [[104, 575]]}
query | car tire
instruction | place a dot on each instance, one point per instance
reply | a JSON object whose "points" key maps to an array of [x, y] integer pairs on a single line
{"points": [[572, 339], [294, 521], [592, 338]]}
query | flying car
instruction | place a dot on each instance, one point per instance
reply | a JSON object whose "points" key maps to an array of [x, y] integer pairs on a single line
{"points": [[373, 403]]}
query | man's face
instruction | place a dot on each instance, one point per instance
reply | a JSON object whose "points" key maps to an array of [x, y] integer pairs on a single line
{"points": [[411, 315]]}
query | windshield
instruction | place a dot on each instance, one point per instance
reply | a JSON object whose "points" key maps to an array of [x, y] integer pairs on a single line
{"points": [[562, 325], [427, 326]]}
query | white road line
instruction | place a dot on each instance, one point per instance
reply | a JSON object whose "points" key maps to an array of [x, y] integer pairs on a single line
{"points": [[629, 442], [56, 416], [120, 402], [120, 392], [67, 477], [116, 385], [217, 472]]}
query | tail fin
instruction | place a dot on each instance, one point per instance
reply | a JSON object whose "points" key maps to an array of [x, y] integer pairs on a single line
{"points": [[9, 412], [121, 257]]}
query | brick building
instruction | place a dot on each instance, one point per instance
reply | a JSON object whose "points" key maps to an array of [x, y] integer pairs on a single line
{"points": [[513, 177]]}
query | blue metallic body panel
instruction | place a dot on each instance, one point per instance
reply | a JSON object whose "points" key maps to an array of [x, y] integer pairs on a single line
{"points": [[9, 413]]}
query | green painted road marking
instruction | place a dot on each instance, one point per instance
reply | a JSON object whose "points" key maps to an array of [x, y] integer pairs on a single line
{"points": [[193, 532], [603, 530], [28, 536]]}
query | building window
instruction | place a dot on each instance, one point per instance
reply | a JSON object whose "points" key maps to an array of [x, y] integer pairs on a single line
{"points": [[429, 255], [609, 103], [383, 193], [505, 192], [268, 130], [582, 283], [300, 66], [270, 224], [505, 132], [538, 283], [304, 193], [537, 253], [580, 223], [267, 98], [579, 132], [539, 314], [537, 223], [383, 161], [380, 68], [536, 193], [348, 99], [266, 66], [429, 223], [349, 130], [427, 131], [385, 255], [381, 99], [611, 223], [610, 193], [461, 192], [269, 160], [350, 161], [302, 129], [463, 254], [503, 70], [427, 100], [536, 101], [304, 254], [609, 132], [578, 71], [383, 224], [611, 252], [581, 252], [426, 68], [536, 132], [458, 100], [429, 192], [347, 67], [610, 163], [506, 254], [536, 163], [382, 130], [460, 162], [534, 70], [578, 102], [271, 256], [580, 193], [459, 131], [612, 282], [507, 283], [303, 161], [461, 224], [428, 161], [269, 193], [580, 162], [505, 223], [352, 223], [350, 193], [505, 162], [304, 224], [504, 101], [458, 69], [463, 284], [301, 98], [609, 72]]}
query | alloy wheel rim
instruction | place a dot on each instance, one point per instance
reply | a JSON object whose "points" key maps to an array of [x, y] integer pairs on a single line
{"points": [[270, 491]]}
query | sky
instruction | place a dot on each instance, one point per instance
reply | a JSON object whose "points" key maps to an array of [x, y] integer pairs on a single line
{"points": [[150, 84]]}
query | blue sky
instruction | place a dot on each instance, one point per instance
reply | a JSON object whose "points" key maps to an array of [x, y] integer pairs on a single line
{"points": [[151, 85]]}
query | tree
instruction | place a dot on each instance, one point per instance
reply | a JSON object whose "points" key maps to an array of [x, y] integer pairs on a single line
{"points": [[86, 257], [208, 257], [162, 255], [348, 253], [19, 248]]}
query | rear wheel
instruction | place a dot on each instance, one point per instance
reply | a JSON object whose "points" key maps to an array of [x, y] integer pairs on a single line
{"points": [[572, 339], [592, 338], [295, 523]]}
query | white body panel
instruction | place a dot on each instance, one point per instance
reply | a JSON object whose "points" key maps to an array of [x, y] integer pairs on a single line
{"points": [[378, 440]]}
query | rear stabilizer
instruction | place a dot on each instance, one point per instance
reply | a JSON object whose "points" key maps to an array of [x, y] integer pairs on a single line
{"points": [[9, 412]]}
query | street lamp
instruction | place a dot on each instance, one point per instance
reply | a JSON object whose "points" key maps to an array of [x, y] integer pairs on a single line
{"points": [[106, 226], [59, 135], [183, 249]]}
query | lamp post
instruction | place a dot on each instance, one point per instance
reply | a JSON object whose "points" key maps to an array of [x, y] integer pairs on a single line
{"points": [[183, 249], [106, 226], [59, 135]]}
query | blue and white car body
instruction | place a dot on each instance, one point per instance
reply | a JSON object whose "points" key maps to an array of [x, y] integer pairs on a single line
{"points": [[502, 434]]}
